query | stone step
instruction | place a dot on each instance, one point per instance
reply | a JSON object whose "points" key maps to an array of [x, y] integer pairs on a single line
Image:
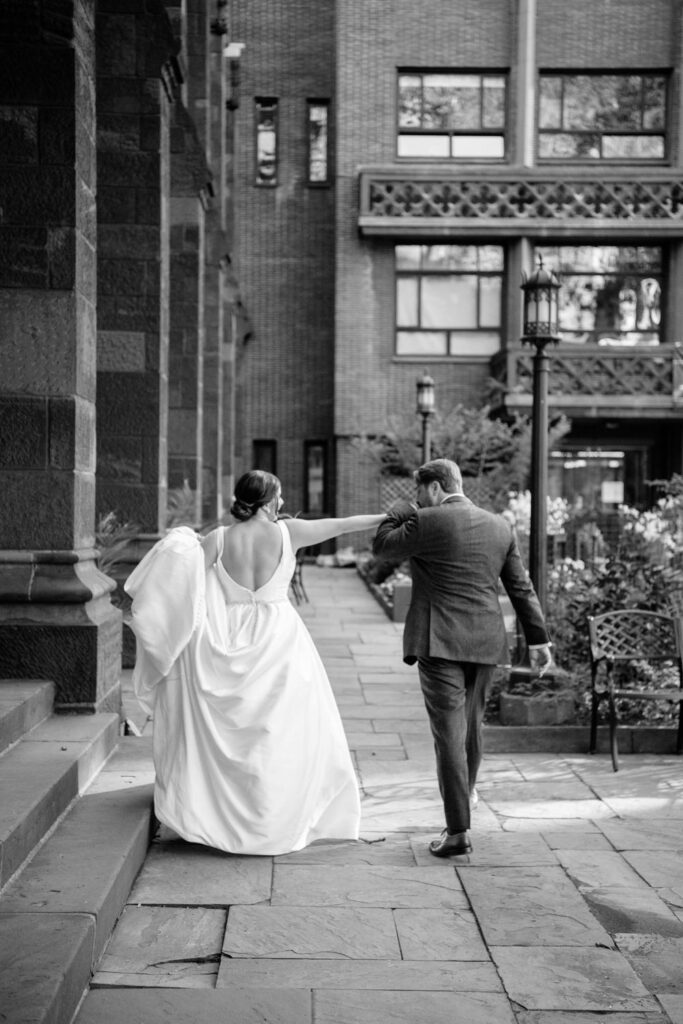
{"points": [[42, 774], [57, 914], [24, 703]]}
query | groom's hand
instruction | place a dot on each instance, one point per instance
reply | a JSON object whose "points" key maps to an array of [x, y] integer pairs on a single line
{"points": [[402, 507], [541, 658]]}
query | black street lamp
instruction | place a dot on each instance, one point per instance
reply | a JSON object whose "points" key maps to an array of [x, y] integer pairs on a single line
{"points": [[541, 303], [426, 409]]}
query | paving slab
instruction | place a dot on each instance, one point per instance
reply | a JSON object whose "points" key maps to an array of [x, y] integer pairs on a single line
{"points": [[587, 1017], [160, 1006], [168, 944], [187, 873], [673, 1006], [573, 839], [383, 849], [533, 906], [643, 834], [570, 978], [497, 850], [374, 741], [408, 1007], [45, 965], [657, 806], [402, 815], [596, 869], [407, 727], [641, 910], [392, 975], [311, 932], [366, 886], [354, 726], [659, 868], [657, 960], [439, 935], [544, 823], [387, 754]]}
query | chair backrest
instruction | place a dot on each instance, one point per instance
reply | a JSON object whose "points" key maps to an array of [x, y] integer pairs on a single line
{"points": [[630, 634]]}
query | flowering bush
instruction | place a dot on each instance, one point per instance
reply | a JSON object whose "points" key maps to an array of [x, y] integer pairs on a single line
{"points": [[519, 513], [642, 569]]}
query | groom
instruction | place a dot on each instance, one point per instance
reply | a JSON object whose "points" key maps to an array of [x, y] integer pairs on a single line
{"points": [[454, 629]]}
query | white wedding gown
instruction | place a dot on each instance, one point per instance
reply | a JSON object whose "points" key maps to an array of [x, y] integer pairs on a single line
{"points": [[249, 749]]}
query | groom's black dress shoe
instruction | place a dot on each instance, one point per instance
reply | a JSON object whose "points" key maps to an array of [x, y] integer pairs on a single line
{"points": [[450, 846]]}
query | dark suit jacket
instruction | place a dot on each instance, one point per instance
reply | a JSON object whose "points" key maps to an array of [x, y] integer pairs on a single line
{"points": [[458, 553]]}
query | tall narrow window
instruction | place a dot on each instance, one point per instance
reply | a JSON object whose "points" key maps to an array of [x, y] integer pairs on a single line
{"points": [[318, 141], [266, 141], [264, 455], [449, 116], [316, 497], [602, 117]]}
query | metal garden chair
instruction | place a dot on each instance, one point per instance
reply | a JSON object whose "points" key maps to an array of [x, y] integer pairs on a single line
{"points": [[630, 636]]}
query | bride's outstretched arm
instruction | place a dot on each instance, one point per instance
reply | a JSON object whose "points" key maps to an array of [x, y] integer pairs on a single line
{"points": [[304, 532]]}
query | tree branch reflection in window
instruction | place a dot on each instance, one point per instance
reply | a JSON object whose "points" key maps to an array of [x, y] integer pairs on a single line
{"points": [[602, 117], [610, 295]]}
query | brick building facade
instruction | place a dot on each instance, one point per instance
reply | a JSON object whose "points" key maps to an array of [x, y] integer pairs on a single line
{"points": [[235, 234], [329, 360]]}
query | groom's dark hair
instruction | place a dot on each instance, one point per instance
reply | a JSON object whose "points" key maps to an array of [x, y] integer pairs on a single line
{"points": [[444, 471]]}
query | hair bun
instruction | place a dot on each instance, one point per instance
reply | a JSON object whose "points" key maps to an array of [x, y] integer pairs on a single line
{"points": [[241, 510]]}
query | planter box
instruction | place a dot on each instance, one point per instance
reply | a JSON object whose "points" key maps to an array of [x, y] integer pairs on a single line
{"points": [[402, 592], [541, 709]]}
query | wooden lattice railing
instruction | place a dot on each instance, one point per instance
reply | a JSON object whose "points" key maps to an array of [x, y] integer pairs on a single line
{"points": [[494, 199], [652, 375]]}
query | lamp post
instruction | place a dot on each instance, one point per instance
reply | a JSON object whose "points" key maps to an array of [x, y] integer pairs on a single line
{"points": [[541, 302], [425, 407]]}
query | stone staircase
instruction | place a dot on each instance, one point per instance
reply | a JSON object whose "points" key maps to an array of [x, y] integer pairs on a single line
{"points": [[75, 823]]}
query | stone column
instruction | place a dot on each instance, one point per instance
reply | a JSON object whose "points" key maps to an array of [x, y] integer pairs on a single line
{"points": [[135, 90], [56, 618], [189, 185]]}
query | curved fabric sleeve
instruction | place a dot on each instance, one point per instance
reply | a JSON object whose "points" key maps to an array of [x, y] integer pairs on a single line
{"points": [[167, 589]]}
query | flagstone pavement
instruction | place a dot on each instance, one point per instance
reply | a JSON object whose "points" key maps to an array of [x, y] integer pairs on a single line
{"points": [[569, 910]]}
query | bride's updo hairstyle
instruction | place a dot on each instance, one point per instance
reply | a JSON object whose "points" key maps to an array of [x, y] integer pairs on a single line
{"points": [[252, 491]]}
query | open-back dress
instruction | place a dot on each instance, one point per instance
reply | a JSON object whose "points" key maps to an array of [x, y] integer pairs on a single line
{"points": [[249, 748]]}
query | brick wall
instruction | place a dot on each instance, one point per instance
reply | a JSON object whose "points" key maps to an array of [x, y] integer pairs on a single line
{"points": [[285, 240]]}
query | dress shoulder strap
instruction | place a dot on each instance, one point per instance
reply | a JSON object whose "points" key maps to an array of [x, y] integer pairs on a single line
{"points": [[287, 546]]}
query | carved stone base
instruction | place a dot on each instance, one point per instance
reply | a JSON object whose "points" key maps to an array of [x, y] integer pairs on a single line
{"points": [[57, 622]]}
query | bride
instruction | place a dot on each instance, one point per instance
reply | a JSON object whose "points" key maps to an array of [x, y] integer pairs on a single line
{"points": [[249, 749]]}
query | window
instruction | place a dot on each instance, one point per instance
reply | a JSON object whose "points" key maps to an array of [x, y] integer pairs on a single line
{"points": [[448, 299], [318, 134], [266, 141], [264, 456], [602, 117], [316, 496], [451, 116], [609, 295]]}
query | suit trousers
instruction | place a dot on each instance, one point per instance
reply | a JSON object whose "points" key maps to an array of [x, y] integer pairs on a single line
{"points": [[455, 697]]}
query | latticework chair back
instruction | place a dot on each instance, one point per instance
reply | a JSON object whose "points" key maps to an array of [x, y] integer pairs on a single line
{"points": [[630, 636], [633, 634]]}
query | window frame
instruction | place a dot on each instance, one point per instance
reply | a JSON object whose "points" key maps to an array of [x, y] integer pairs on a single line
{"points": [[642, 73], [450, 332], [451, 133], [326, 181], [261, 105], [309, 446], [569, 336], [267, 446]]}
